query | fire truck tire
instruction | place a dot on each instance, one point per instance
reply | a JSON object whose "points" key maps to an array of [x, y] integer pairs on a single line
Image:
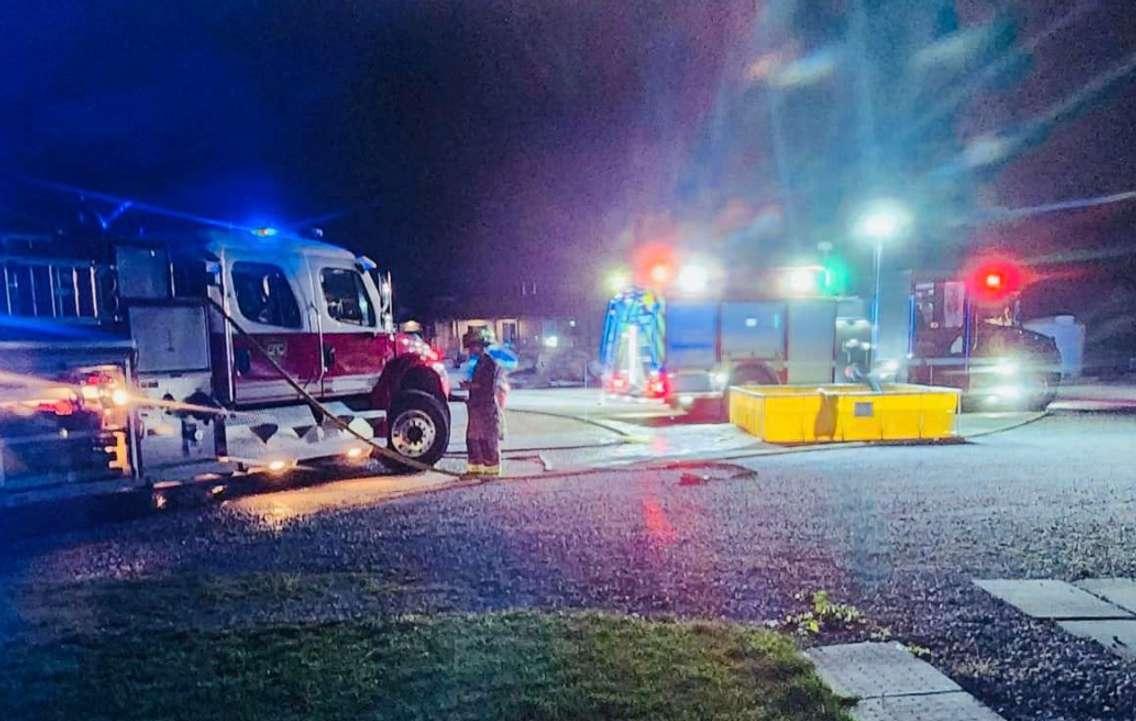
{"points": [[418, 427], [1046, 394], [1040, 392]]}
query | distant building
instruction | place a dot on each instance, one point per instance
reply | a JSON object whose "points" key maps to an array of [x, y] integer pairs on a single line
{"points": [[528, 319], [523, 332]]}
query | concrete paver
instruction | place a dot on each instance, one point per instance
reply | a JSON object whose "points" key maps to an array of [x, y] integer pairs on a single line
{"points": [[1117, 591], [893, 685], [953, 706], [1117, 636], [867, 670], [1049, 598]]}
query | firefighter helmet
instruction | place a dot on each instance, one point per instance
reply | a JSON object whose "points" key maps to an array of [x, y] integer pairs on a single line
{"points": [[477, 336]]}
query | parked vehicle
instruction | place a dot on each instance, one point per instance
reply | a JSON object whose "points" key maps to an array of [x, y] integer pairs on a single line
{"points": [[169, 361], [964, 330]]}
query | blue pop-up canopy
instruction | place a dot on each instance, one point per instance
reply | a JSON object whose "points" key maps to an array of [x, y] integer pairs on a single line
{"points": [[505, 357]]}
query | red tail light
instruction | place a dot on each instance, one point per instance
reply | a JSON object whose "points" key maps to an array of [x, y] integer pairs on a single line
{"points": [[104, 391], [616, 383], [60, 407]]}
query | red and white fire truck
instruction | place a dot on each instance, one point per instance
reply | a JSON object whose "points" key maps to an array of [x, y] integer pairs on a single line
{"points": [[962, 329], [181, 359]]}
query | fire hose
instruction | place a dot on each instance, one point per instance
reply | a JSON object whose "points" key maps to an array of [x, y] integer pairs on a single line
{"points": [[315, 403]]}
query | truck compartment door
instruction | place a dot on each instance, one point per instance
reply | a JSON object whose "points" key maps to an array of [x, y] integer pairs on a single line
{"points": [[753, 329], [178, 433], [895, 322], [810, 340], [691, 334]]}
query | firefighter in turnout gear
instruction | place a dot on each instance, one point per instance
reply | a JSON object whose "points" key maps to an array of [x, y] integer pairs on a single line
{"points": [[483, 433]]}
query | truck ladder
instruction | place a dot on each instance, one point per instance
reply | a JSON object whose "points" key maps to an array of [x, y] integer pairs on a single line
{"points": [[53, 289]]}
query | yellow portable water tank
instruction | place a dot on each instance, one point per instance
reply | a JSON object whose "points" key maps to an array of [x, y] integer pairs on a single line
{"points": [[844, 412]]}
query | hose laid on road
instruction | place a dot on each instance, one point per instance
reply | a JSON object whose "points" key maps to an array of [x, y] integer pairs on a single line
{"points": [[312, 401], [412, 463], [506, 452], [580, 419], [791, 450], [1012, 426]]}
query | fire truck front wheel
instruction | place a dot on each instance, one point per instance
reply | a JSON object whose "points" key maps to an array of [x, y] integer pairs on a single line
{"points": [[418, 428]]}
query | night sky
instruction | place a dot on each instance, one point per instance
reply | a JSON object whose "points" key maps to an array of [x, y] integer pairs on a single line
{"points": [[466, 145]]}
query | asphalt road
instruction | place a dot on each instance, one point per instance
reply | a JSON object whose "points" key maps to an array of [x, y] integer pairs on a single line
{"points": [[897, 531]]}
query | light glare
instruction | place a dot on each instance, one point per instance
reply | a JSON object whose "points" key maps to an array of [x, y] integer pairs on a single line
{"points": [[693, 278], [883, 220]]}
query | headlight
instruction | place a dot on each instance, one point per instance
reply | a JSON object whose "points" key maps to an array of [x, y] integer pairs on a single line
{"points": [[1006, 368], [720, 379], [1000, 394]]}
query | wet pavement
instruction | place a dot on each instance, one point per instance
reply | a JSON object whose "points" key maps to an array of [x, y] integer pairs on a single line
{"points": [[558, 432], [581, 428]]}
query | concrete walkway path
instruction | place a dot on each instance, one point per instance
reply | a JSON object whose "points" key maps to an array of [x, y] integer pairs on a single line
{"points": [[891, 684]]}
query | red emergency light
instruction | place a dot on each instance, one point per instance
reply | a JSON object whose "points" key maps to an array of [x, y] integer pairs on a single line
{"points": [[654, 265], [993, 280], [660, 274]]}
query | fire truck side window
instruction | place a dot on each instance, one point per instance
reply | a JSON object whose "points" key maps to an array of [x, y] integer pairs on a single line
{"points": [[925, 316], [264, 296], [347, 299]]}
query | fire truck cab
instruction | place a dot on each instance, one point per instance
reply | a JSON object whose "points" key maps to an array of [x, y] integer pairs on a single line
{"points": [[172, 352]]}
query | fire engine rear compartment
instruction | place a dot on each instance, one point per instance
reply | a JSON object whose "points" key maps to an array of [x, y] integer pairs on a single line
{"points": [[53, 437]]}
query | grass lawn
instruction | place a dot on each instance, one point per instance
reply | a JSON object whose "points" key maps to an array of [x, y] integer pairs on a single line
{"points": [[514, 665]]}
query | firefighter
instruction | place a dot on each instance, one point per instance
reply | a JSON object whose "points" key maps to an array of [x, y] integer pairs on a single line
{"points": [[483, 432]]}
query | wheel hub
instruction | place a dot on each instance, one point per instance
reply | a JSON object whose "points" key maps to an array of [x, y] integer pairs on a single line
{"points": [[413, 433]]}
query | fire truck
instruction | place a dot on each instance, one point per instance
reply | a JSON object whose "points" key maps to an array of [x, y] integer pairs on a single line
{"points": [[963, 330], [197, 356], [689, 347]]}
